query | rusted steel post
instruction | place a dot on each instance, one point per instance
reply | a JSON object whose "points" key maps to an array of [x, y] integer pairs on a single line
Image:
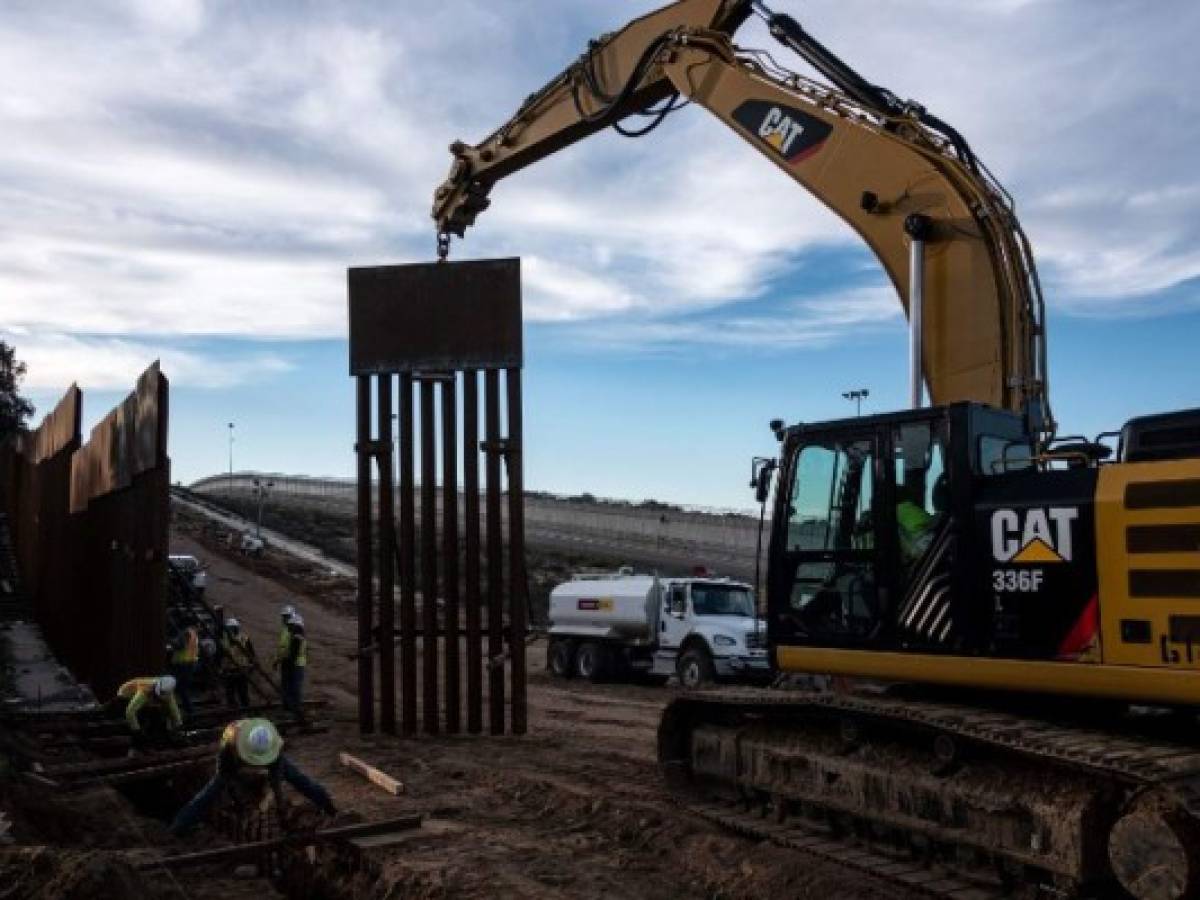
{"points": [[516, 552], [471, 548], [429, 574], [495, 542], [408, 563], [450, 552], [366, 585], [387, 562]]}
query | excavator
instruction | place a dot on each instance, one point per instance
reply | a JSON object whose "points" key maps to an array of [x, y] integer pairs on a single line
{"points": [[1005, 622]]}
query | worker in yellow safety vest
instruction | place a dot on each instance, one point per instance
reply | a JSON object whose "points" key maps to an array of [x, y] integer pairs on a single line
{"points": [[155, 699], [285, 635], [913, 523], [237, 658], [294, 667], [251, 748], [916, 523], [185, 656]]}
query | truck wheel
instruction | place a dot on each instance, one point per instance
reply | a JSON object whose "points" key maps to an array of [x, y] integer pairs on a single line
{"points": [[561, 663], [695, 668], [590, 662]]}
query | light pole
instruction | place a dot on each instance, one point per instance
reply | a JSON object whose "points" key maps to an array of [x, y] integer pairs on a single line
{"points": [[231, 459], [857, 396], [261, 489]]}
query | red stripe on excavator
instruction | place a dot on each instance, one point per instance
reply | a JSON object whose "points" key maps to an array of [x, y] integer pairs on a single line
{"points": [[1083, 632], [805, 153]]}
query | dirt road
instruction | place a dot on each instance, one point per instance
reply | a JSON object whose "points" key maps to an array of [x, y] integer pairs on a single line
{"points": [[573, 809]]}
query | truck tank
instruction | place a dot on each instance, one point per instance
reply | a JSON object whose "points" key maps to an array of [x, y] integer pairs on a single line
{"points": [[621, 608]]}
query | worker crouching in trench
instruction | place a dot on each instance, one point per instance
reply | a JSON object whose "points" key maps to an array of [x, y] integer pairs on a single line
{"points": [[150, 711], [251, 751]]}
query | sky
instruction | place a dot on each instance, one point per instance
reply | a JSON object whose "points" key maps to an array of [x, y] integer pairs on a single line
{"points": [[188, 180]]}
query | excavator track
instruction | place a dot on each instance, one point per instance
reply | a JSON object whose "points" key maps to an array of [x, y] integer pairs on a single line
{"points": [[983, 799], [913, 874]]}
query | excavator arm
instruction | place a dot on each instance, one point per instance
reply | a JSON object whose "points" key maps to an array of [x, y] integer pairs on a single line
{"points": [[890, 170]]}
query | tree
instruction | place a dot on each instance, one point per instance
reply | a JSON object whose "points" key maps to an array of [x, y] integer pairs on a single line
{"points": [[14, 409]]}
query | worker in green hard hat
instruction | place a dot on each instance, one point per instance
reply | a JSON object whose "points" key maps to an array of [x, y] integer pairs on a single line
{"points": [[251, 748]]}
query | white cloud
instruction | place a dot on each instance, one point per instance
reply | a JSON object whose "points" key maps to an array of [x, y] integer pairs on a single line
{"points": [[176, 18], [801, 323], [1082, 110], [191, 169], [54, 361]]}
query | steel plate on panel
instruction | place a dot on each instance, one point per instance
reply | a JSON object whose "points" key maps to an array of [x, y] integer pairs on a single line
{"points": [[435, 316], [60, 429], [149, 435]]}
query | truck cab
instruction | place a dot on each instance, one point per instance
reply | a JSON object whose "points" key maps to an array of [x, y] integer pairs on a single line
{"points": [[708, 631]]}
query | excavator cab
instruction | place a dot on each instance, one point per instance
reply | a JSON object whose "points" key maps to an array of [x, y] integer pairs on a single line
{"points": [[877, 521]]}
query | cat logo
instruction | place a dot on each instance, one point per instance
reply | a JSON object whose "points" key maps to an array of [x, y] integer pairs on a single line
{"points": [[1033, 535], [780, 131], [793, 134]]}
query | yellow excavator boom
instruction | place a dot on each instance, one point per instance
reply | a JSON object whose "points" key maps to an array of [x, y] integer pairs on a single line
{"points": [[893, 172]]}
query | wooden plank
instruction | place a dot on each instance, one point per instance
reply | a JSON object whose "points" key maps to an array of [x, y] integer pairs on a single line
{"points": [[372, 774]]}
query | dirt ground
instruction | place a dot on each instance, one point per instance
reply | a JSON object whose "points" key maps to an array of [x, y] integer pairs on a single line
{"points": [[573, 809]]}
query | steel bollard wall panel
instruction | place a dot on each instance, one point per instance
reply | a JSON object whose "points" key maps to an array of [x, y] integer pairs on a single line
{"points": [[442, 336], [90, 524], [387, 562], [366, 579], [407, 562]]}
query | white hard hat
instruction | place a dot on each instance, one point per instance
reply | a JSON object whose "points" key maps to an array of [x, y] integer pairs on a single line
{"points": [[288, 611], [164, 685], [260, 739], [258, 742], [296, 619], [233, 623]]}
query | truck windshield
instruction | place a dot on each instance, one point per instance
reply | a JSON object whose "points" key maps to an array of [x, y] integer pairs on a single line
{"points": [[722, 600]]}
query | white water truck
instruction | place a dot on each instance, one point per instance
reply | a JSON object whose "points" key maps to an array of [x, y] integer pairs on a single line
{"points": [[702, 629]]}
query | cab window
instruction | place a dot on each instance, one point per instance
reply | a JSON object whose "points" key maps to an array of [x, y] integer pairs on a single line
{"points": [[832, 595], [922, 489], [831, 498], [998, 455]]}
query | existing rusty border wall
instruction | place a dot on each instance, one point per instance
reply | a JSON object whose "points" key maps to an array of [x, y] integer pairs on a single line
{"points": [[89, 525]]}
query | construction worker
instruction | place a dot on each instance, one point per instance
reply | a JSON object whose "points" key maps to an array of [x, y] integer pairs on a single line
{"points": [[185, 657], [251, 748], [282, 651], [237, 658], [295, 666], [155, 699], [915, 527]]}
